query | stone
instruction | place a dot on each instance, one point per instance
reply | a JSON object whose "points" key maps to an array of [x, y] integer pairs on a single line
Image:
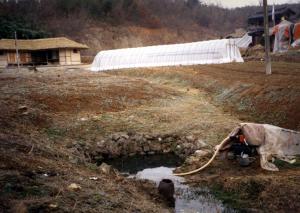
{"points": [[167, 150], [137, 137], [74, 187], [106, 169], [101, 144], [187, 146], [155, 146], [23, 108], [115, 137], [201, 153], [146, 147], [124, 135], [201, 144], [132, 147], [190, 138], [53, 206], [168, 140], [149, 137], [192, 160]]}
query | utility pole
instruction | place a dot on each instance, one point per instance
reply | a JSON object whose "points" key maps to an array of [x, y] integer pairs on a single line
{"points": [[17, 51], [267, 39]]}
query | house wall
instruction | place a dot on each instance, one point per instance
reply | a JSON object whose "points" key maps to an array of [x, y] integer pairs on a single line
{"points": [[69, 57], [25, 58], [3, 59]]}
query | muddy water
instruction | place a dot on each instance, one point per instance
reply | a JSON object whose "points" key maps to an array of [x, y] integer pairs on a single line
{"points": [[158, 167]]}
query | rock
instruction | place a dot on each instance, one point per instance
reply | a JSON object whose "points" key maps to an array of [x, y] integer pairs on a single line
{"points": [[149, 137], [146, 147], [22, 108], [93, 178], [151, 153], [155, 146], [124, 135], [201, 153], [114, 149], [167, 150], [187, 146], [106, 169], [192, 160], [53, 206], [117, 136], [190, 138], [132, 147], [168, 140], [201, 144], [74, 187], [101, 144], [137, 137], [25, 113]]}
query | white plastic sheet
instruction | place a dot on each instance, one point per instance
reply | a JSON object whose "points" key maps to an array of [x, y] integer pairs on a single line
{"points": [[205, 52], [244, 41], [282, 36]]}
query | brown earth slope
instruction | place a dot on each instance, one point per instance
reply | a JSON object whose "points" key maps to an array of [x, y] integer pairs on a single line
{"points": [[45, 114]]}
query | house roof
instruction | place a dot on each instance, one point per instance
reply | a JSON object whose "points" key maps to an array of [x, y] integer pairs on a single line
{"points": [[278, 12], [41, 44]]}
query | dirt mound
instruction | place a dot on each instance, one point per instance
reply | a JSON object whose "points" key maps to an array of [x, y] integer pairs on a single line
{"points": [[242, 89]]}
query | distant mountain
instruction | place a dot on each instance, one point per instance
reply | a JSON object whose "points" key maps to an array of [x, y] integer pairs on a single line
{"points": [[106, 24]]}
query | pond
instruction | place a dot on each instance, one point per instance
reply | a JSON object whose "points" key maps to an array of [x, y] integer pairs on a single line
{"points": [[157, 167]]}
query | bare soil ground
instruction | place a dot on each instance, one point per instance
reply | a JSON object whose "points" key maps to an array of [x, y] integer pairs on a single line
{"points": [[44, 112]]}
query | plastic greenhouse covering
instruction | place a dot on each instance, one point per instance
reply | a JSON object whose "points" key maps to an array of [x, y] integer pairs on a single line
{"points": [[204, 52], [243, 42], [282, 36]]}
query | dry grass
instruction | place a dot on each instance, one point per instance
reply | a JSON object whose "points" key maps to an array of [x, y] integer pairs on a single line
{"points": [[67, 106]]}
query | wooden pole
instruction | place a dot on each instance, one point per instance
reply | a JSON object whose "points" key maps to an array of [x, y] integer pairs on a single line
{"points": [[267, 39], [17, 51]]}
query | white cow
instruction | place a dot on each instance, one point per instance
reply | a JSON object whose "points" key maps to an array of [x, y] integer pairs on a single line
{"points": [[272, 141]]}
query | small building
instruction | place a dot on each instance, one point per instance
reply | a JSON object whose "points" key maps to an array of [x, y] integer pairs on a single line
{"points": [[49, 51], [285, 12], [256, 22]]}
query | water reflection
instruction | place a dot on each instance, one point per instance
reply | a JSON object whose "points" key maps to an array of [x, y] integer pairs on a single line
{"points": [[187, 199]]}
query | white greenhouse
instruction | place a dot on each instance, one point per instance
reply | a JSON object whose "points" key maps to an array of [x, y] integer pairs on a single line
{"points": [[204, 52]]}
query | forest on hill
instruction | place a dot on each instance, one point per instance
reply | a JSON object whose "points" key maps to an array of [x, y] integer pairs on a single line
{"points": [[104, 24]]}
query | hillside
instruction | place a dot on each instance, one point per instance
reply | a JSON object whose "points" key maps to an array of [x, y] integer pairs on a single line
{"points": [[116, 24]]}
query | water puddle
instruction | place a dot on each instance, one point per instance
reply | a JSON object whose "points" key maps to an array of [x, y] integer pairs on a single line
{"points": [[157, 167]]}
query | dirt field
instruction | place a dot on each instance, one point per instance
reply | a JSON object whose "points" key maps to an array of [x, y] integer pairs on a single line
{"points": [[45, 113]]}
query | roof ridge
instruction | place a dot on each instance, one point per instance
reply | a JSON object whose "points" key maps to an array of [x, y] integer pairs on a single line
{"points": [[39, 44]]}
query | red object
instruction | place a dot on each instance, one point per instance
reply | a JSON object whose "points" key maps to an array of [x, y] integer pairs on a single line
{"points": [[242, 138]]}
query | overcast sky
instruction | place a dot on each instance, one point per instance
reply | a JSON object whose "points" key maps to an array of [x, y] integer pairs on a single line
{"points": [[241, 3]]}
